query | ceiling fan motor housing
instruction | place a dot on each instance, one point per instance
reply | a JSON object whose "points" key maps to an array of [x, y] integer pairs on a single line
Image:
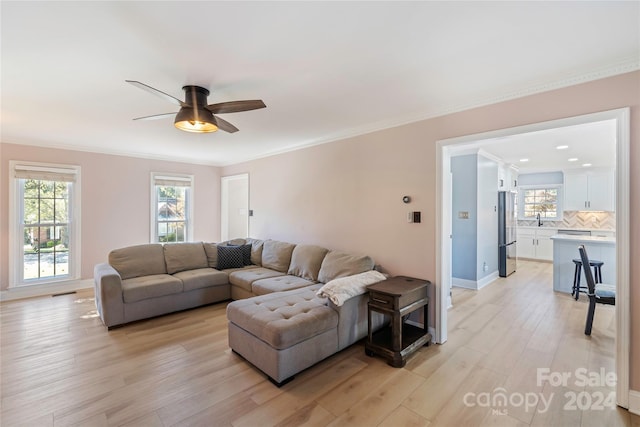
{"points": [[195, 95], [195, 117]]}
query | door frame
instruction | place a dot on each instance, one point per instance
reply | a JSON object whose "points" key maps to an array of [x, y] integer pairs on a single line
{"points": [[445, 147]]}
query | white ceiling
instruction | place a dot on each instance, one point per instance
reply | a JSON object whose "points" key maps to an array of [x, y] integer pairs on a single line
{"points": [[591, 145], [326, 70]]}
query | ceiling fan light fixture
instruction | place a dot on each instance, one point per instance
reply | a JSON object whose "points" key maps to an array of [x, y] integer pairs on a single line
{"points": [[198, 120], [195, 114]]}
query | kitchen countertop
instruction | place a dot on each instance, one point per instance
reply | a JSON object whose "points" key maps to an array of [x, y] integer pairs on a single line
{"points": [[590, 239]]}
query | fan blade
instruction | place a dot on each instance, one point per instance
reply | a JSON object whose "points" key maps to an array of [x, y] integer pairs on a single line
{"points": [[156, 116], [225, 125], [157, 92], [235, 106]]}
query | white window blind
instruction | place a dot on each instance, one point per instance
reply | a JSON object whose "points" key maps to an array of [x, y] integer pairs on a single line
{"points": [[25, 171]]}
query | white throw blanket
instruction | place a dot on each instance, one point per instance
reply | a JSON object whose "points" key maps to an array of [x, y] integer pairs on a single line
{"points": [[341, 289]]}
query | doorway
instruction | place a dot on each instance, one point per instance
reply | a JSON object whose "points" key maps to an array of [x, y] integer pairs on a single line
{"points": [[234, 207], [443, 233]]}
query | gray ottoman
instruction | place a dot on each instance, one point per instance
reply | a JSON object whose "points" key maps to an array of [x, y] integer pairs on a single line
{"points": [[283, 333]]}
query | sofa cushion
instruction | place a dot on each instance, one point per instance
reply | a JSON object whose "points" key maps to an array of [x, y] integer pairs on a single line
{"points": [[151, 286], [139, 260], [283, 319], [277, 255], [279, 284], [306, 261], [211, 250], [256, 251], [244, 278], [230, 257], [202, 278], [340, 264], [184, 256]]}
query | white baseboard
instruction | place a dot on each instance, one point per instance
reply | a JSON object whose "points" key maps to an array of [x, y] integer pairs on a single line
{"points": [[473, 284], [464, 283], [634, 402], [45, 290], [487, 279]]}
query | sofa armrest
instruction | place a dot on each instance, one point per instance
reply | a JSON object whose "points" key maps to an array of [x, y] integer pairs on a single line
{"points": [[108, 293]]}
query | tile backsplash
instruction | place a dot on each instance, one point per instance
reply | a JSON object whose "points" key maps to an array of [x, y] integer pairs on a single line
{"points": [[578, 219]]}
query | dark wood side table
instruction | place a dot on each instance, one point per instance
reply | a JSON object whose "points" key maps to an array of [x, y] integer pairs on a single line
{"points": [[397, 297]]}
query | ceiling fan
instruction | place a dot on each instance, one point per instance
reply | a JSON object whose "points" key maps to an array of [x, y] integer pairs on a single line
{"points": [[195, 115]]}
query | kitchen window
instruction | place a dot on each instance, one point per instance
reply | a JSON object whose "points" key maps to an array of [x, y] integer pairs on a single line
{"points": [[44, 223], [171, 208], [542, 201]]}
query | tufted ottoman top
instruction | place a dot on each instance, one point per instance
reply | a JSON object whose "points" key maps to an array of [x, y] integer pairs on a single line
{"points": [[284, 319]]}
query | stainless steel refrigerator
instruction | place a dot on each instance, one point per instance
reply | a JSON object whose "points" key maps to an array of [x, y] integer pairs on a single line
{"points": [[507, 223]]}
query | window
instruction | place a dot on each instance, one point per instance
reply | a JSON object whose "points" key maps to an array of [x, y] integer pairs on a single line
{"points": [[543, 201], [45, 223], [171, 208]]}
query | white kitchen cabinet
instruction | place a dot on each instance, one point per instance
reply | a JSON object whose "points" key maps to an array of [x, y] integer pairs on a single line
{"points": [[513, 177], [535, 243], [507, 177], [544, 244], [526, 244], [502, 178], [589, 191]]}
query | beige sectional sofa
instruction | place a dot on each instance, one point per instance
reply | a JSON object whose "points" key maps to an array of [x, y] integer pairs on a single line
{"points": [[278, 322], [144, 281]]}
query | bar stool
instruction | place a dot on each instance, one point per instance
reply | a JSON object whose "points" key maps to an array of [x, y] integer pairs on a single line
{"points": [[597, 269]]}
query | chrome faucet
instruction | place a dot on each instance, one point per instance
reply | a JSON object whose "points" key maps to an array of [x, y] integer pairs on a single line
{"points": [[538, 218]]}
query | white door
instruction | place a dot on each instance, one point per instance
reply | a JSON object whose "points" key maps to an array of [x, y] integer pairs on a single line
{"points": [[234, 206]]}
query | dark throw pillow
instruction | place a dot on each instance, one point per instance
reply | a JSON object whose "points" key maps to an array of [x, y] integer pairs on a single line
{"points": [[246, 254], [230, 257]]}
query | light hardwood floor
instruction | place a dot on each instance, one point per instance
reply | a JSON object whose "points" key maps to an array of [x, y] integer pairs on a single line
{"points": [[60, 366]]}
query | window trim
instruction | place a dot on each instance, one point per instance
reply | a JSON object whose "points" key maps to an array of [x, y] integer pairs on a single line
{"points": [[153, 205], [16, 252], [559, 202]]}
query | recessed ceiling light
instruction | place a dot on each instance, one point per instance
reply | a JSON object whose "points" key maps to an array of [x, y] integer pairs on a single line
{"points": [[573, 159], [586, 165], [524, 160], [562, 147]]}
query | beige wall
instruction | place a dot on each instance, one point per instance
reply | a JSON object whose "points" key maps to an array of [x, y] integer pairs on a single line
{"points": [[347, 194], [115, 200]]}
